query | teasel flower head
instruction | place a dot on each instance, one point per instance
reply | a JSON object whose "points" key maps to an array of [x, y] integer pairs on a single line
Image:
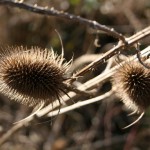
{"points": [[131, 83], [32, 76]]}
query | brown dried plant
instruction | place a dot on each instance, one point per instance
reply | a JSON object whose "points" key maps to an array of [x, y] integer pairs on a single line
{"points": [[32, 76], [35, 76], [132, 84]]}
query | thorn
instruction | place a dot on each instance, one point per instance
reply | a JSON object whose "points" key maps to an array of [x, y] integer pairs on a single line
{"points": [[134, 121]]}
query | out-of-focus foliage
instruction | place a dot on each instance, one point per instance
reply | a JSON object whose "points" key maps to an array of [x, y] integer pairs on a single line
{"points": [[97, 126]]}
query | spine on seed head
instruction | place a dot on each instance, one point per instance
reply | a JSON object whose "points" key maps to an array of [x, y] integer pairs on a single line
{"points": [[132, 84], [32, 76]]}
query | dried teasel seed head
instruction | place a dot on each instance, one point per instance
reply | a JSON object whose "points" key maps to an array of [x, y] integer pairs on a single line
{"points": [[132, 84], [32, 76]]}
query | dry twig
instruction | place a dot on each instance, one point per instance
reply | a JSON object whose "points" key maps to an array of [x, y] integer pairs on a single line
{"points": [[64, 15], [115, 50]]}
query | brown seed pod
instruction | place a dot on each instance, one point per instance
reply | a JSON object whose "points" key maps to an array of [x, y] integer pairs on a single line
{"points": [[132, 84], [32, 76]]}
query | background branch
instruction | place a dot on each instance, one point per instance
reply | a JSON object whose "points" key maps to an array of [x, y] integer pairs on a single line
{"points": [[64, 15]]}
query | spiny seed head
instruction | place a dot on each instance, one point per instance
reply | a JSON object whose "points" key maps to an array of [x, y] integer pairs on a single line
{"points": [[32, 76], [132, 85]]}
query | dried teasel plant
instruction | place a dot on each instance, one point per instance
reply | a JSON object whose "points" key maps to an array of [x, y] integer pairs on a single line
{"points": [[32, 76], [131, 83]]}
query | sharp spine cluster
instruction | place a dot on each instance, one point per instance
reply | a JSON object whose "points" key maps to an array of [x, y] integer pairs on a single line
{"points": [[32, 76], [132, 84]]}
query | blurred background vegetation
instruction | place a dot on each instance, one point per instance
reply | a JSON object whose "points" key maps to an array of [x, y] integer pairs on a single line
{"points": [[96, 126]]}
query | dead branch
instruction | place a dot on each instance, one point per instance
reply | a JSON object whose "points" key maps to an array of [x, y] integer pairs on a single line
{"points": [[64, 15], [115, 50], [81, 104]]}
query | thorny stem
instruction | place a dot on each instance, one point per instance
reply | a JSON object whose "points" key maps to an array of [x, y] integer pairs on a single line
{"points": [[64, 15], [115, 50]]}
